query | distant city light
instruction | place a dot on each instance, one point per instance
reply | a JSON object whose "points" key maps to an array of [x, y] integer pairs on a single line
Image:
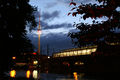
{"points": [[34, 53], [14, 57], [12, 73], [48, 57], [28, 74], [79, 63], [35, 62]]}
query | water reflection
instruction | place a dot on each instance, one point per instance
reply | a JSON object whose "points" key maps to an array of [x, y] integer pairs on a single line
{"points": [[35, 74], [28, 74], [75, 75], [12, 73]]}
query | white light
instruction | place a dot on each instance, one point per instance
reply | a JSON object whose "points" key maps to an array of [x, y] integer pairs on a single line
{"points": [[48, 57], [35, 62], [35, 74]]}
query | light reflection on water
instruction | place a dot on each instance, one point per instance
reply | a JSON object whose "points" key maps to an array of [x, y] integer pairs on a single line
{"points": [[35, 74], [28, 73], [12, 73]]}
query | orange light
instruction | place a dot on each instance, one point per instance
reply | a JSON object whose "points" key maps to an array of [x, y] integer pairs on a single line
{"points": [[12, 73], [14, 57], [28, 74], [34, 53]]}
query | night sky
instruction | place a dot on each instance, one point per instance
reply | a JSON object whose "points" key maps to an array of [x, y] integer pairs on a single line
{"points": [[56, 24]]}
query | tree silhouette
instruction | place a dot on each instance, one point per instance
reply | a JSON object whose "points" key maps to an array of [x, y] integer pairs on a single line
{"points": [[105, 34], [96, 32], [14, 16]]}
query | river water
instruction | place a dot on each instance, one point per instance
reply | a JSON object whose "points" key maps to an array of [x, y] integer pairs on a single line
{"points": [[37, 75]]}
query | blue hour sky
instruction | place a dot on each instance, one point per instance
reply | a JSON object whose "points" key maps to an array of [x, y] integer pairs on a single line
{"points": [[55, 24]]}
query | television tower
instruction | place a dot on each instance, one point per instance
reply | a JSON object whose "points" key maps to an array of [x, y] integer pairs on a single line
{"points": [[39, 33]]}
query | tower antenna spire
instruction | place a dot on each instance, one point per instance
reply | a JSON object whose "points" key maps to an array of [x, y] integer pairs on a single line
{"points": [[39, 33]]}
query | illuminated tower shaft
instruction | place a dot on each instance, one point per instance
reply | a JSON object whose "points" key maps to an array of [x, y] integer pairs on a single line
{"points": [[39, 33]]}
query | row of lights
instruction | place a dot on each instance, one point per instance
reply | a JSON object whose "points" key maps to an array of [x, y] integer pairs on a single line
{"points": [[28, 74], [74, 53]]}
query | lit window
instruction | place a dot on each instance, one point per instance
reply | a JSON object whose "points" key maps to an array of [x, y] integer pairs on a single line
{"points": [[79, 52], [88, 51], [83, 52], [93, 50], [71, 54], [75, 52], [64, 53], [81, 63], [67, 53]]}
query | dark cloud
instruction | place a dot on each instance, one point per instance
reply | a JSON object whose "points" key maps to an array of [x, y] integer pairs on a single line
{"points": [[45, 25], [56, 42], [64, 25], [45, 16], [50, 16]]}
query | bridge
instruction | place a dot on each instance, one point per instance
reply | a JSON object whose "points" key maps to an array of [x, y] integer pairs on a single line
{"points": [[76, 58], [76, 52]]}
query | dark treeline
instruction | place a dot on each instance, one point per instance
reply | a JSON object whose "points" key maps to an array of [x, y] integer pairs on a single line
{"points": [[105, 34], [14, 16], [98, 31]]}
